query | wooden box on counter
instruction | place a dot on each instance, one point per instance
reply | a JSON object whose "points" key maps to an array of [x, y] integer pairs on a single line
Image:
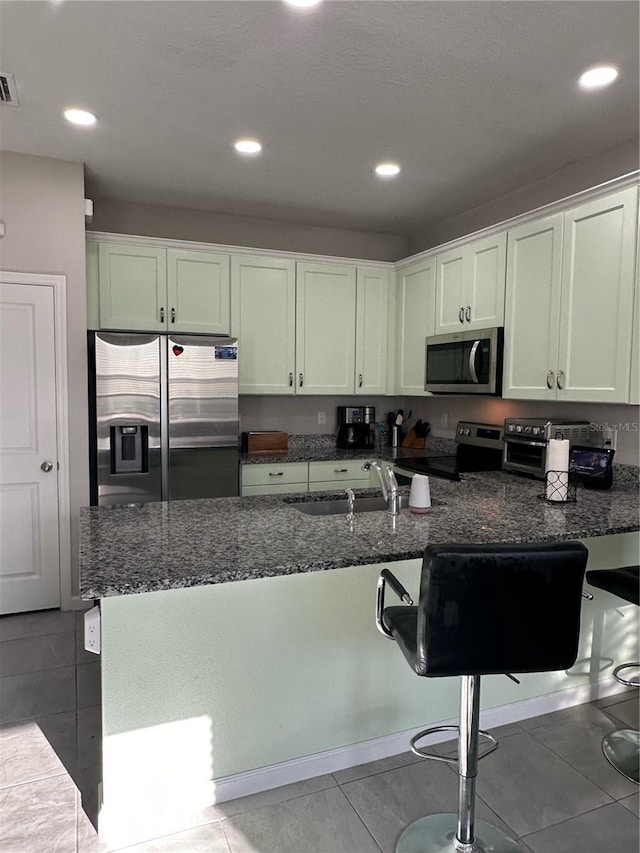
{"points": [[266, 441]]}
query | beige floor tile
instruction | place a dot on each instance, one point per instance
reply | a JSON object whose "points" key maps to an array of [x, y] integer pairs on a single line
{"points": [[37, 694], [25, 755], [39, 816], [33, 654], [36, 624]]}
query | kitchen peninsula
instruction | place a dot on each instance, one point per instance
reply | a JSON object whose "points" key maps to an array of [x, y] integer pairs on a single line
{"points": [[213, 688]]}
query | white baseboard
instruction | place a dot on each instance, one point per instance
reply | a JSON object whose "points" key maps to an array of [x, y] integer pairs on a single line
{"points": [[287, 772], [124, 822]]}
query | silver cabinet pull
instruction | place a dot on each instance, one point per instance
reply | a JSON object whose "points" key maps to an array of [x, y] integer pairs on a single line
{"points": [[467, 313], [162, 315], [301, 380], [340, 470], [560, 380], [47, 466], [290, 380], [550, 376], [173, 315], [461, 315], [359, 380], [276, 473]]}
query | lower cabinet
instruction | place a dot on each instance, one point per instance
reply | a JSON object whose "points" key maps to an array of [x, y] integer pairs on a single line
{"points": [[327, 476], [266, 479]]}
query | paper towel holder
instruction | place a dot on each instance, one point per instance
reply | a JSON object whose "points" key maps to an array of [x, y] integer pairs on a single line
{"points": [[556, 483]]}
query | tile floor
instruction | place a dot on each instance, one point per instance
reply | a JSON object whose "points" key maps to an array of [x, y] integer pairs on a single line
{"points": [[547, 785]]}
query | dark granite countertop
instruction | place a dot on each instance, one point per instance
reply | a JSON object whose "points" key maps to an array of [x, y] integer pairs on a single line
{"points": [[170, 545]]}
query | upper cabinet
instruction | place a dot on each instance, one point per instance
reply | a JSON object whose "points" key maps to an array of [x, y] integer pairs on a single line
{"points": [[263, 318], [470, 285], [325, 328], [372, 295], [153, 289], [569, 303], [634, 384], [415, 311]]}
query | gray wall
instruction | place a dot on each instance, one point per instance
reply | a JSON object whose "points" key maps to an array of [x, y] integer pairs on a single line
{"points": [[42, 205], [574, 178], [177, 224]]}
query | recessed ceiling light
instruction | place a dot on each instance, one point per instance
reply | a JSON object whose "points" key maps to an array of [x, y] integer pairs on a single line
{"points": [[303, 4], [82, 117], [387, 170], [598, 76], [248, 146]]}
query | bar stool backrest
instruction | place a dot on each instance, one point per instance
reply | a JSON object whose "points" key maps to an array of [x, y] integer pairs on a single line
{"points": [[487, 609]]}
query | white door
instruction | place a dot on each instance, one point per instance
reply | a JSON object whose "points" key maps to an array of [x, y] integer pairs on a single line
{"points": [[29, 545]]}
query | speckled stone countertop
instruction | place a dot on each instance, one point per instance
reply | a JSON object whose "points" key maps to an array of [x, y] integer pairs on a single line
{"points": [[170, 545]]}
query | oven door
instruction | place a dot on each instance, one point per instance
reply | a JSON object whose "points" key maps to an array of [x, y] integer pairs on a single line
{"points": [[525, 456]]}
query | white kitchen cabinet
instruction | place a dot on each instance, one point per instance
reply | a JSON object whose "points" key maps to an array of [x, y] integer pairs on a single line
{"points": [[274, 478], [154, 289], [634, 382], [470, 285], [372, 293], [263, 318], [325, 328], [415, 320], [532, 310], [569, 304], [338, 475]]}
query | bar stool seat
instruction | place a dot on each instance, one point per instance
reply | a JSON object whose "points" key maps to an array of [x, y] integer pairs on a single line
{"points": [[622, 747], [483, 609]]}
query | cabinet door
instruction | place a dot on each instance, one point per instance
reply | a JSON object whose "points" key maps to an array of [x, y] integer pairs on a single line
{"points": [[634, 384], [198, 292], [325, 328], [372, 290], [263, 315], [597, 299], [532, 310], [415, 301], [133, 287], [451, 290], [486, 270]]}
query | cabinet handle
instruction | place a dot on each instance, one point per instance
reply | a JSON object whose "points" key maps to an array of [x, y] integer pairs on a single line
{"points": [[560, 380], [290, 380], [461, 315], [359, 380], [550, 376], [301, 380], [276, 473], [162, 315], [173, 315], [467, 313], [340, 470]]}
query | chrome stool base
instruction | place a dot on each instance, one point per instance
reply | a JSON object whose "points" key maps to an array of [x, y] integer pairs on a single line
{"points": [[622, 751], [436, 833]]}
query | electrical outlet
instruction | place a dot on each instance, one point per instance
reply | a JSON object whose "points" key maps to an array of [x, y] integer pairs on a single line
{"points": [[92, 630], [444, 420], [322, 418]]}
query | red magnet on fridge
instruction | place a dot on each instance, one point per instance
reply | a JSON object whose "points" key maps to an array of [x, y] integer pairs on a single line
{"points": [[178, 350]]}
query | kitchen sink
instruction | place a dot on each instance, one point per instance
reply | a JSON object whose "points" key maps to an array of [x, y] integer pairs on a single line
{"points": [[341, 506]]}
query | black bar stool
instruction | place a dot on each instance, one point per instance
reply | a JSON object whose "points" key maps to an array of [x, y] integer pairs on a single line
{"points": [[483, 609], [622, 747]]}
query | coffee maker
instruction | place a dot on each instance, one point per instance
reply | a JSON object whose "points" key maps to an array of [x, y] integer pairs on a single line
{"points": [[356, 427]]}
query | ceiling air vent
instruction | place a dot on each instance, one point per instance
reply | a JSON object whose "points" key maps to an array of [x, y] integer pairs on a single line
{"points": [[8, 91]]}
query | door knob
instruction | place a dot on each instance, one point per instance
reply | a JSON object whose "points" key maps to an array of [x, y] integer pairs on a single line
{"points": [[47, 466]]}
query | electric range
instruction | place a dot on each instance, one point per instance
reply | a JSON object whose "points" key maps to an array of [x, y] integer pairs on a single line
{"points": [[479, 448]]}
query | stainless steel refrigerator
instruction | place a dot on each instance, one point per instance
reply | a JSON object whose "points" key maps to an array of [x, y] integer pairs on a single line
{"points": [[163, 417]]}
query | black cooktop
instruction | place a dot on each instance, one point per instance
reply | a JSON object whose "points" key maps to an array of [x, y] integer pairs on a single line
{"points": [[437, 466]]}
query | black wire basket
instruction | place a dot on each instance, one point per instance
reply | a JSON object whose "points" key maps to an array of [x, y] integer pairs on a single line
{"points": [[560, 487]]}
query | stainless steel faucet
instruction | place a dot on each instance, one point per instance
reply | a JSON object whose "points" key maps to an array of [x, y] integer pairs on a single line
{"points": [[388, 485]]}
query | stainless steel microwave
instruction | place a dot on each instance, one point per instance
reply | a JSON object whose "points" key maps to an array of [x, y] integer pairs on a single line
{"points": [[465, 362]]}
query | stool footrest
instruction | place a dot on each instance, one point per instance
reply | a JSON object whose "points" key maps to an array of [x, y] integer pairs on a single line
{"points": [[630, 682], [434, 757]]}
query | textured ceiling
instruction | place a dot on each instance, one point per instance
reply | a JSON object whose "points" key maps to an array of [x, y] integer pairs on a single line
{"points": [[474, 99]]}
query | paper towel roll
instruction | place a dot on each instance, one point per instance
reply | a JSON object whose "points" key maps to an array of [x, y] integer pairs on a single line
{"points": [[557, 461], [420, 494]]}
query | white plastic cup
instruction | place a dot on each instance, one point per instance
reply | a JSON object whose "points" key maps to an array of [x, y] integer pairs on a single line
{"points": [[420, 494]]}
